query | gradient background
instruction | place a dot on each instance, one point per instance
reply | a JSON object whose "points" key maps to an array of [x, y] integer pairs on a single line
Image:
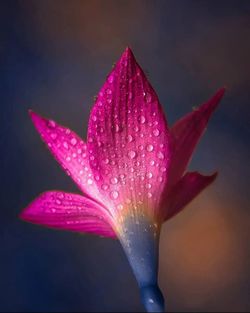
{"points": [[54, 57]]}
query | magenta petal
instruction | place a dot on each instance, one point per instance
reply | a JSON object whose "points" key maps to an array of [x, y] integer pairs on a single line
{"points": [[189, 186], [186, 133], [67, 211], [128, 138], [70, 151]]}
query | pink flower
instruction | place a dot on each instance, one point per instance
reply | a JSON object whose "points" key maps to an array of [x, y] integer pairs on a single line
{"points": [[131, 171]]}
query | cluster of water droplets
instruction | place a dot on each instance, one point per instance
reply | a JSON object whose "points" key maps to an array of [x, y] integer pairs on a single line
{"points": [[71, 152], [64, 204], [128, 145]]}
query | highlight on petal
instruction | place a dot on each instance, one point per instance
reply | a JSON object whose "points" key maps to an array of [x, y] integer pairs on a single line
{"points": [[186, 133], [128, 139], [188, 187], [67, 211], [69, 150]]}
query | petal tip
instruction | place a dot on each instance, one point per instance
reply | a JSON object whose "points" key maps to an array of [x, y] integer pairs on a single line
{"points": [[127, 54]]}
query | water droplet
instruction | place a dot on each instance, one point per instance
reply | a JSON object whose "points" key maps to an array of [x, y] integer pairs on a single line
{"points": [[156, 132], [148, 97], [65, 144], [131, 154], [148, 186], [141, 147], [142, 119], [114, 180], [58, 201], [81, 172], [149, 195], [111, 79], [90, 181], [109, 91], [117, 128], [74, 155], [114, 194], [129, 138], [163, 169], [152, 162], [160, 179], [149, 175], [79, 151], [97, 177], [94, 118], [119, 206], [150, 148], [106, 161], [73, 141], [53, 136], [68, 158], [51, 124], [104, 187], [150, 300], [60, 195], [67, 131], [160, 155]]}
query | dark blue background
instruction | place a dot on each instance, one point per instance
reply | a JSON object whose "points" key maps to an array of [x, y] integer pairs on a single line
{"points": [[54, 57]]}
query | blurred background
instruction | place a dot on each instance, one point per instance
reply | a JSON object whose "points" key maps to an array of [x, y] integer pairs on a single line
{"points": [[54, 57]]}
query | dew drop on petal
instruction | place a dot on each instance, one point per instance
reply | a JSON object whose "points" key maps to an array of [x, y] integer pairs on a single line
{"points": [[105, 187], [90, 181], [79, 151], [152, 162], [68, 158], [111, 79], [149, 175], [131, 154], [156, 132], [53, 136], [148, 186], [51, 124], [129, 138], [117, 128], [149, 195], [114, 194], [114, 180], [65, 144], [148, 97], [119, 206], [142, 119], [106, 161], [97, 177], [58, 201], [150, 148], [141, 147], [73, 141], [160, 155]]}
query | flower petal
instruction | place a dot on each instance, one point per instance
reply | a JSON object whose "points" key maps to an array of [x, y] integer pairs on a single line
{"points": [[186, 133], [69, 150], [188, 187], [128, 138], [67, 211]]}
